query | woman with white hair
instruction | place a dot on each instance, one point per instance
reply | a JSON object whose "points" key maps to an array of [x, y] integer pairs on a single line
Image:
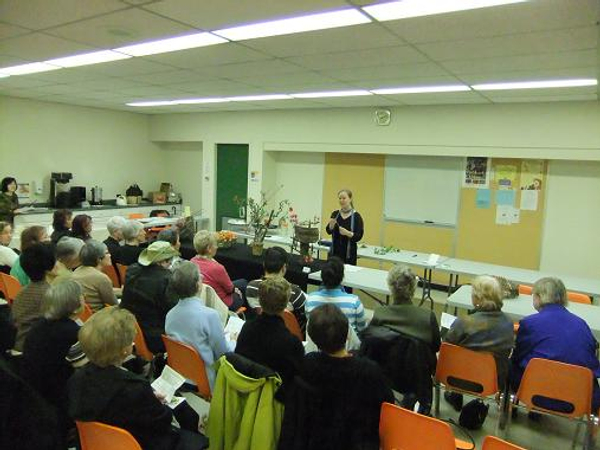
{"points": [[67, 259], [134, 235], [114, 227], [193, 323], [97, 287], [554, 333]]}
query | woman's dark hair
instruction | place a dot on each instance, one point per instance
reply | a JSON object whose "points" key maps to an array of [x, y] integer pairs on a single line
{"points": [[32, 235], [169, 235], [6, 181], [275, 259], [38, 259], [332, 272], [59, 219], [80, 223], [328, 328]]}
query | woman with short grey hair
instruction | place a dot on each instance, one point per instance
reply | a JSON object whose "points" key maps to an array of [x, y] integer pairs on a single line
{"points": [[193, 323], [51, 350], [134, 234], [402, 284], [548, 291], [114, 226], [97, 287], [67, 259]]}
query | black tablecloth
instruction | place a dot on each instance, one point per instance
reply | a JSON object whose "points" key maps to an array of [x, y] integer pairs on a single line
{"points": [[241, 263]]}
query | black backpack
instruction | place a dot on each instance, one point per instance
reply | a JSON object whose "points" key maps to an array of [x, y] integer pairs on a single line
{"points": [[473, 415]]}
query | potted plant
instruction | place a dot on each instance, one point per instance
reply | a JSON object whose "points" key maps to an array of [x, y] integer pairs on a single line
{"points": [[225, 238], [305, 234]]}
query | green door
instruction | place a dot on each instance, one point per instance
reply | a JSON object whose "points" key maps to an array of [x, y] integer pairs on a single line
{"points": [[232, 179]]}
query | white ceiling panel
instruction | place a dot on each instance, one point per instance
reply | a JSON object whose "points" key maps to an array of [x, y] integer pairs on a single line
{"points": [[367, 100], [518, 44], [209, 56], [9, 60], [253, 68], [438, 98], [360, 58], [548, 98], [580, 58], [530, 75], [71, 75], [21, 82], [334, 40], [40, 46], [126, 67], [216, 88], [290, 80], [167, 78], [530, 93], [517, 18], [39, 14], [223, 13], [117, 29], [106, 84], [391, 72], [8, 31], [378, 83]]}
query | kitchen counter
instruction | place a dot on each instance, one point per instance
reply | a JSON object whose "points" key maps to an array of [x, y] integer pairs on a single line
{"points": [[45, 208]]}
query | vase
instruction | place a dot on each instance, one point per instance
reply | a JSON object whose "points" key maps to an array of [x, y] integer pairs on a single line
{"points": [[257, 248]]}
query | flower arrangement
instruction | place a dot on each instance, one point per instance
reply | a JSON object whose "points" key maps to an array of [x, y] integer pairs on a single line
{"points": [[306, 232], [225, 239]]}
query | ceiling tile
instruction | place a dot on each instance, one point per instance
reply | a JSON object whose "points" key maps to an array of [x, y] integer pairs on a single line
{"points": [[71, 75], [198, 58], [439, 98], [252, 68], [167, 78], [392, 72], [503, 20], [299, 77], [354, 38], [39, 14], [547, 98], [530, 75], [117, 29], [523, 44], [368, 100], [106, 84], [126, 67], [216, 88], [359, 58], [8, 31], [381, 83], [40, 46], [21, 82], [225, 13], [530, 93]]}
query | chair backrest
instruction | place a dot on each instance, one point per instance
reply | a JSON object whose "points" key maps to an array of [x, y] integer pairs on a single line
{"points": [[10, 286], [525, 289], [122, 273], [559, 381], [494, 443], [213, 301], [292, 324], [579, 298], [402, 429], [466, 370], [112, 274], [99, 436], [141, 349], [135, 216], [86, 313], [186, 360]]}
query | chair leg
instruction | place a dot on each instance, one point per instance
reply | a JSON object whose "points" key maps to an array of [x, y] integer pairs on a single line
{"points": [[589, 442], [436, 410], [576, 437], [502, 410]]}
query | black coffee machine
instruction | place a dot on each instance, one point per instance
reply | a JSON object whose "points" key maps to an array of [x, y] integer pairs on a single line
{"points": [[60, 192]]}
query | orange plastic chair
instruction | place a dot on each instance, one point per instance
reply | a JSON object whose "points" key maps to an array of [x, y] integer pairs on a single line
{"points": [[10, 286], [112, 274], [292, 324], [86, 313], [572, 296], [401, 429], [99, 436], [457, 365], [560, 381], [135, 216], [525, 289], [494, 443], [141, 349], [186, 360], [122, 273]]}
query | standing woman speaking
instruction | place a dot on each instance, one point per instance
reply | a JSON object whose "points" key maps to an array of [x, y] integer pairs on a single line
{"points": [[9, 202], [346, 227]]}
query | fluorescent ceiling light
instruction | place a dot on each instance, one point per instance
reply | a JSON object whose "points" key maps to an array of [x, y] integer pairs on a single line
{"points": [[4, 75], [535, 84], [153, 103], [312, 22], [24, 69], [416, 8], [198, 101], [354, 93], [171, 44], [87, 59], [421, 89], [252, 98]]}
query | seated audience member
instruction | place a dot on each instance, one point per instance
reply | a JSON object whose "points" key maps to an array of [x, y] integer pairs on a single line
{"points": [[193, 323], [104, 391], [554, 333], [29, 236], [275, 265], [487, 329], [51, 350], [214, 274], [266, 340], [146, 294], [134, 235], [97, 287], [37, 261], [61, 224], [171, 235], [336, 399], [115, 235], [8, 256], [81, 227], [67, 259], [331, 291]]}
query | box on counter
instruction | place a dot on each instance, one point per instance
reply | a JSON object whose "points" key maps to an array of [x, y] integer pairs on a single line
{"points": [[158, 197]]}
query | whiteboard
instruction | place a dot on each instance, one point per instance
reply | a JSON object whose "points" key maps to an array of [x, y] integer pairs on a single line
{"points": [[422, 189]]}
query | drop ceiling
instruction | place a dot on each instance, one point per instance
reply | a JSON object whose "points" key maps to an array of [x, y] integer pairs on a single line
{"points": [[536, 40]]}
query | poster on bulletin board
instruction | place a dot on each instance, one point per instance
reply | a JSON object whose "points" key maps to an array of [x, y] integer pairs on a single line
{"points": [[532, 174], [477, 172]]}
